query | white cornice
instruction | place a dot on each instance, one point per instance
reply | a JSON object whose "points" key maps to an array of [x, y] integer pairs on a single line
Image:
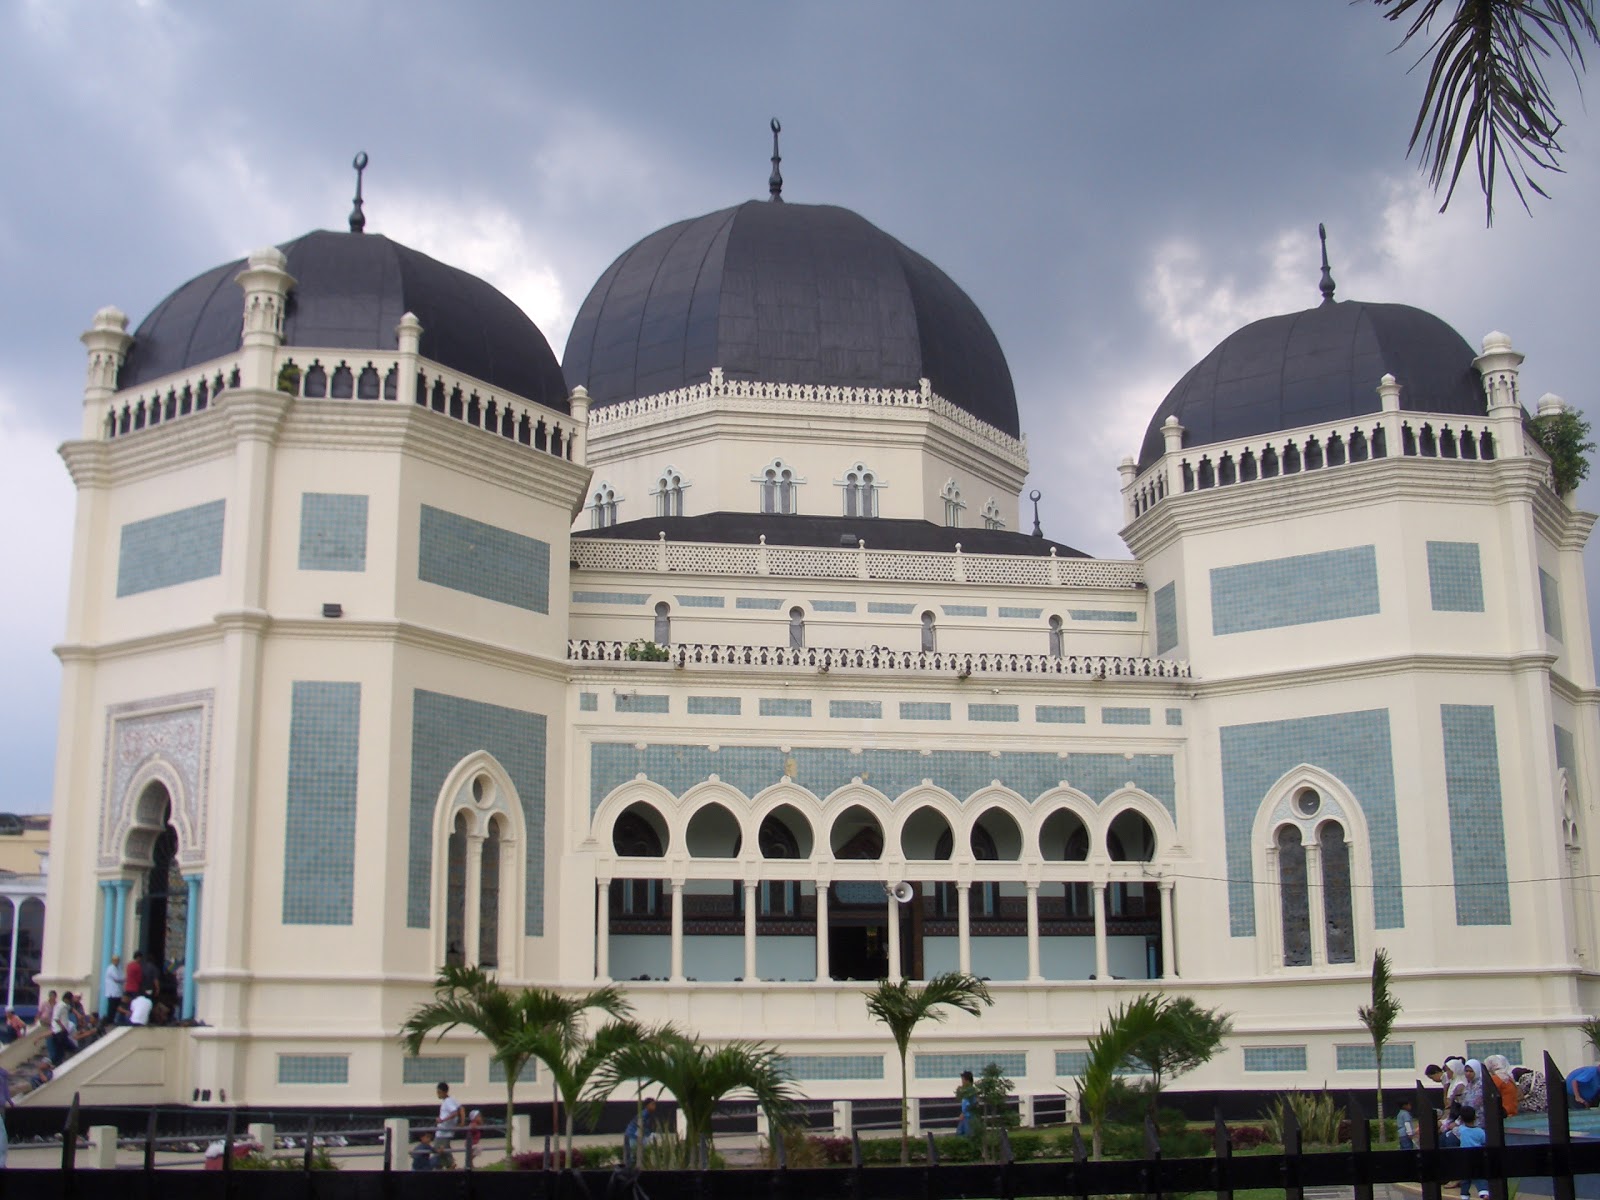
{"points": [[1374, 668]]}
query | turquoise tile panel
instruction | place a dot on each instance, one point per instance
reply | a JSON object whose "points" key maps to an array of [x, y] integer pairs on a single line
{"points": [[1125, 716], [759, 602], [1002, 714], [588, 702], [434, 1069], [483, 560], [1549, 599], [319, 850], [924, 710], [1166, 618], [610, 597], [700, 601], [834, 606], [1290, 1059], [1103, 614], [714, 706], [1353, 747], [833, 1066], [174, 548], [333, 532], [1174, 716], [823, 770], [856, 710], [1060, 714], [950, 1066], [1455, 580], [444, 730], [965, 610], [1477, 820], [1511, 1048], [778, 707], [890, 610], [314, 1068], [1397, 1056], [640, 702], [1302, 590], [1021, 614], [1073, 1063]]}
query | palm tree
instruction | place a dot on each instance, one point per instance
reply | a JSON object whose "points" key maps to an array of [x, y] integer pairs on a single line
{"points": [[470, 996], [1487, 93], [1115, 1043], [1379, 1018], [573, 1064], [700, 1078], [903, 1007]]}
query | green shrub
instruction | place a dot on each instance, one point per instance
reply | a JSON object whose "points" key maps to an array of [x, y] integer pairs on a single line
{"points": [[646, 651], [1564, 437], [1318, 1116], [665, 1152], [258, 1160], [1177, 1140]]}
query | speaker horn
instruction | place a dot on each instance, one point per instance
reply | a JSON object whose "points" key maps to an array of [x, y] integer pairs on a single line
{"points": [[901, 892]]}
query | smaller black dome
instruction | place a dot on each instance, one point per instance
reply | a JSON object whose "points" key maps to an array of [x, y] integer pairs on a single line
{"points": [[1319, 365], [350, 291]]}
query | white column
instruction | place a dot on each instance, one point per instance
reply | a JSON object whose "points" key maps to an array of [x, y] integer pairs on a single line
{"points": [[1314, 902], [11, 979], [1169, 943], [1102, 961], [822, 932], [1034, 974], [602, 931], [677, 931], [750, 888], [894, 938], [964, 926]]}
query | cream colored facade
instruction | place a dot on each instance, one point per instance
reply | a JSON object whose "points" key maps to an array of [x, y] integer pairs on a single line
{"points": [[1086, 809]]}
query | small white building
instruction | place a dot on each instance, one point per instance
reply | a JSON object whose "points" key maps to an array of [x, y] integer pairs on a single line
{"points": [[393, 642]]}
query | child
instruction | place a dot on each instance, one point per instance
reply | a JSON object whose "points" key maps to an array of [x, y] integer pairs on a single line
{"points": [[423, 1156], [1471, 1135], [1407, 1125]]}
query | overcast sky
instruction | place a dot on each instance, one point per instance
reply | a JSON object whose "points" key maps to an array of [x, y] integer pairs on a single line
{"points": [[1118, 187]]}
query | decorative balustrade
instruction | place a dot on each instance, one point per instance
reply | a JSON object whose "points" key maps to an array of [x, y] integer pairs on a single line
{"points": [[168, 399], [815, 562], [880, 658]]}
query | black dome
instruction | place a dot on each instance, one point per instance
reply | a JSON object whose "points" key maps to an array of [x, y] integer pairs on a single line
{"points": [[1319, 365], [350, 291], [785, 293]]}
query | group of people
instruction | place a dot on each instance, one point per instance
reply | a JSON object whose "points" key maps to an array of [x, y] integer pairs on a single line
{"points": [[136, 995], [433, 1149]]}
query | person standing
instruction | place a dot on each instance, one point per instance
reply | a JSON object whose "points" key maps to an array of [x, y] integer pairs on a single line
{"points": [[450, 1116], [967, 1093], [1406, 1126], [111, 986], [639, 1132], [133, 977], [1472, 1136]]}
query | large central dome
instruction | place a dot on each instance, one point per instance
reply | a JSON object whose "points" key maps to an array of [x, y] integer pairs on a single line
{"points": [[785, 293]]}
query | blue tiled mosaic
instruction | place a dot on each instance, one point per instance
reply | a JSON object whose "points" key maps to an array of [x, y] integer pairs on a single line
{"points": [[1401, 1056], [1174, 716], [641, 702], [1275, 1058], [1353, 747], [1549, 599], [834, 1066], [856, 710], [528, 1073], [483, 560], [890, 610], [1477, 822], [1511, 1048], [822, 771], [333, 532], [444, 730], [319, 851], [838, 606], [1455, 580], [1306, 588], [772, 706], [924, 710], [950, 1066], [700, 601], [173, 548], [314, 1068], [1124, 716], [1004, 714], [1060, 714], [610, 597], [767, 602], [434, 1069], [965, 610], [1021, 614], [1567, 758], [1103, 614], [1166, 618], [1074, 1063], [714, 706], [588, 702]]}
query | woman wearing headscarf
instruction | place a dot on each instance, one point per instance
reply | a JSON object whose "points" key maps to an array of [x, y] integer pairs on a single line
{"points": [[1531, 1094], [1473, 1094], [1498, 1067]]}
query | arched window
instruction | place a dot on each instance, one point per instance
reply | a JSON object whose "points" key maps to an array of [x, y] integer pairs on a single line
{"points": [[669, 494], [797, 629], [634, 836], [928, 640], [489, 897], [1294, 897], [602, 507], [1058, 639], [778, 898], [778, 483], [663, 628], [455, 894], [991, 515], [480, 830], [860, 492], [1338, 917], [953, 506]]}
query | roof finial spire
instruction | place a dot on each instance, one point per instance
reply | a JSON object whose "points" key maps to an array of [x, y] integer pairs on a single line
{"points": [[1038, 530], [358, 219], [1326, 285], [775, 183]]}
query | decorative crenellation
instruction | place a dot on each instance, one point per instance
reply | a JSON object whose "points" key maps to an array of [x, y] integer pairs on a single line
{"points": [[880, 658], [807, 562], [754, 393], [165, 400]]}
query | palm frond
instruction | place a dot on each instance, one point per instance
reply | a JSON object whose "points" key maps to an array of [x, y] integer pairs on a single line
{"points": [[902, 1006]]}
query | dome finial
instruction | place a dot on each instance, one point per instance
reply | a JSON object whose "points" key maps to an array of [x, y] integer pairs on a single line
{"points": [[358, 219], [1326, 287], [775, 182], [1038, 530]]}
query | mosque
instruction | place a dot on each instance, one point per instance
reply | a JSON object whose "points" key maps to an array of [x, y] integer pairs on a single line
{"points": [[723, 658]]}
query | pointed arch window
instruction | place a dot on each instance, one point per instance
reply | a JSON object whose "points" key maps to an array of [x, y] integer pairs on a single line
{"points": [[602, 507], [860, 492], [662, 634], [489, 896], [1311, 862], [455, 890], [478, 874], [953, 506], [669, 493], [991, 515], [1058, 639], [778, 483], [1338, 916], [797, 629], [1294, 897], [929, 641]]}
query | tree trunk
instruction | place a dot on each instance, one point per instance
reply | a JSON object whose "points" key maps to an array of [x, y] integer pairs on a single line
{"points": [[572, 1121], [511, 1108], [905, 1127], [555, 1118], [1380, 1092]]}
